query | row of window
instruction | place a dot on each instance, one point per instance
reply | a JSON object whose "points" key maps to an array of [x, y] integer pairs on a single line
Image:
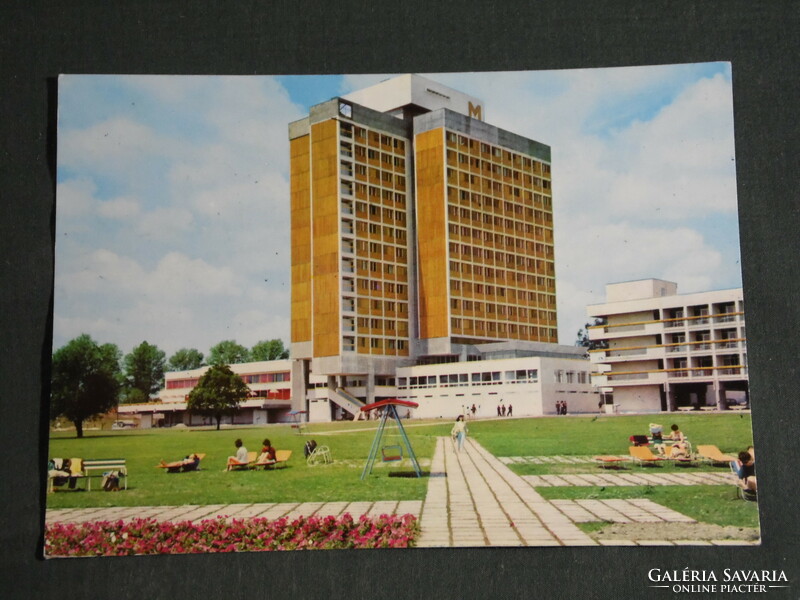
{"points": [[472, 181], [510, 259], [369, 287], [473, 163], [376, 306], [478, 200], [478, 235], [372, 138], [390, 308], [519, 161], [465, 379], [491, 329], [467, 288], [500, 311], [469, 271], [173, 384], [562, 376], [374, 345], [516, 217]]}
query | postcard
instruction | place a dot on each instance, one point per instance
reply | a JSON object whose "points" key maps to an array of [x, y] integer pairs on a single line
{"points": [[402, 310]]}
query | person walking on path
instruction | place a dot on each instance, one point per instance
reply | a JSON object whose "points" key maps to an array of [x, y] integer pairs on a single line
{"points": [[459, 431], [508, 412]]}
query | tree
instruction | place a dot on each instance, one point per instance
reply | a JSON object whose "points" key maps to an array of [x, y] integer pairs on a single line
{"points": [[269, 350], [228, 352], [185, 359], [144, 372], [86, 380], [583, 337], [219, 391]]}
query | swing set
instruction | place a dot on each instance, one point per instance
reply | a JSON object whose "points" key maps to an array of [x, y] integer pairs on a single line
{"points": [[391, 452]]}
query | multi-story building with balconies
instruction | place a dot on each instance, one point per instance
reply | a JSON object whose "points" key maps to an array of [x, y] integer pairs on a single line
{"points": [[658, 350], [417, 230]]}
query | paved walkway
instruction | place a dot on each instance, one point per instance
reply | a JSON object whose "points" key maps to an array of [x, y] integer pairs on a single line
{"points": [[481, 502], [629, 479]]}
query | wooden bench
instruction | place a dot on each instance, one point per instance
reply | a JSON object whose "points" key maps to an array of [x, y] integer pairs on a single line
{"points": [[95, 467]]}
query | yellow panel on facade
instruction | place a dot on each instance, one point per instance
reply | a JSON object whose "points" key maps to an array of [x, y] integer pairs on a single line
{"points": [[325, 231], [434, 319], [300, 238]]}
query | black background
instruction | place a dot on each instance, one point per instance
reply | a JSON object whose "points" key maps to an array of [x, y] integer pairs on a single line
{"points": [[39, 40]]}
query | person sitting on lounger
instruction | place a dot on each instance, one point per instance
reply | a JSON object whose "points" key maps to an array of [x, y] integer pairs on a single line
{"points": [[188, 463], [679, 450], [267, 452], [676, 434], [240, 459], [746, 470], [658, 440], [310, 446]]}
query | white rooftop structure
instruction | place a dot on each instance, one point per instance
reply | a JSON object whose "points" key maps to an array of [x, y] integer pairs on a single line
{"points": [[391, 95]]}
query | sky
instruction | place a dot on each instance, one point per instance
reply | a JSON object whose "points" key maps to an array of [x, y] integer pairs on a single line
{"points": [[172, 204]]}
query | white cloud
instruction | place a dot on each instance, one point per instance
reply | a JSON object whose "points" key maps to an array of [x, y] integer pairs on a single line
{"points": [[119, 208], [75, 197]]}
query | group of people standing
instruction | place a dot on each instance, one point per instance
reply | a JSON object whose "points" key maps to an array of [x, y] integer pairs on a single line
{"points": [[502, 411], [561, 407]]}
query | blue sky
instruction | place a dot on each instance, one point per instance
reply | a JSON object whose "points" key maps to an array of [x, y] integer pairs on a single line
{"points": [[173, 196]]}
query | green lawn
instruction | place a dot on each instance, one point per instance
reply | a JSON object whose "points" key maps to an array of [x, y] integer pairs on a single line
{"points": [[605, 435], [705, 503], [297, 482], [350, 442]]}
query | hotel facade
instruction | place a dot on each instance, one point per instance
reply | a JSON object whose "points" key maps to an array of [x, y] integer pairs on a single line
{"points": [[661, 351], [422, 266], [419, 233]]}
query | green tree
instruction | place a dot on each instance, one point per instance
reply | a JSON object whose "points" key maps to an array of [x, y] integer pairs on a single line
{"points": [[228, 352], [269, 350], [583, 337], [185, 359], [86, 380], [218, 392], [144, 372]]}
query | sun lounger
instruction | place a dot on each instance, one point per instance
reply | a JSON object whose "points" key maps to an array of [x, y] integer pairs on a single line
{"points": [[713, 454], [234, 465], [281, 457], [643, 455], [609, 462], [179, 466]]}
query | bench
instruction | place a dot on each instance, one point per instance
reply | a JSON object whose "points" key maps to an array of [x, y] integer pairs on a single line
{"points": [[95, 467]]}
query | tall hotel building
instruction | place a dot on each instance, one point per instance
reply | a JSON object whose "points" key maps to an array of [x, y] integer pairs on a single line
{"points": [[419, 232]]}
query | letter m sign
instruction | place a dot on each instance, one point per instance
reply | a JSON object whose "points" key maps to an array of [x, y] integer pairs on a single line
{"points": [[476, 111]]}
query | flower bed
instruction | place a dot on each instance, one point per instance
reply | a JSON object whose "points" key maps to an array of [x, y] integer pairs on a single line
{"points": [[148, 536]]}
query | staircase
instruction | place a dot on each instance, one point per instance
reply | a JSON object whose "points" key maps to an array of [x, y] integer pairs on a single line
{"points": [[346, 400]]}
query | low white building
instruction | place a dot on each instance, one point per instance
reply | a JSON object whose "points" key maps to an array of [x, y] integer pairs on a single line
{"points": [[269, 400], [664, 351], [529, 377]]}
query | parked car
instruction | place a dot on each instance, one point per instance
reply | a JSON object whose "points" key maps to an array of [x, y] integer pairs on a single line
{"points": [[123, 425]]}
